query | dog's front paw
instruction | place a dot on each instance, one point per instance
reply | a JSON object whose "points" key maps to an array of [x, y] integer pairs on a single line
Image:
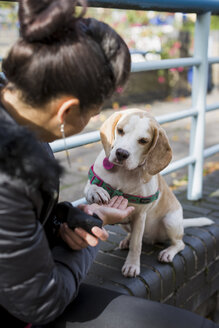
{"points": [[166, 256], [97, 195], [130, 270]]}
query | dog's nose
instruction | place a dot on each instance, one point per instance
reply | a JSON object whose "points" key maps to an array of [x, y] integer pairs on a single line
{"points": [[122, 154]]}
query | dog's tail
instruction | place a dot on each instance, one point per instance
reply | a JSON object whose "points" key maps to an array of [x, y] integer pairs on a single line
{"points": [[197, 222]]}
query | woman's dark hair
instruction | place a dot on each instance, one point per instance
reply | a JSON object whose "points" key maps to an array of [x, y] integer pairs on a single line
{"points": [[58, 53]]}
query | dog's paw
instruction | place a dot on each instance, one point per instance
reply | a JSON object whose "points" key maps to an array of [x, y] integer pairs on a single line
{"points": [[124, 244], [130, 270], [166, 256], [97, 195]]}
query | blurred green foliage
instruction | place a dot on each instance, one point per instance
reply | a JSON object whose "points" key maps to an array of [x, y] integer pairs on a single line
{"points": [[12, 10], [134, 16], [8, 5], [214, 22]]}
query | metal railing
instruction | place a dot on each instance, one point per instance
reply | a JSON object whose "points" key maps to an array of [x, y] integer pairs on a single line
{"points": [[199, 62]]}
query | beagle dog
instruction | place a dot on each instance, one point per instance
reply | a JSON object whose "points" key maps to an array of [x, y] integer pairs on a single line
{"points": [[136, 149]]}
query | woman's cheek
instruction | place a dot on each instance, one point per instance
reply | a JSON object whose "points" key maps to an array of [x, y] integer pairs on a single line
{"points": [[78, 127]]}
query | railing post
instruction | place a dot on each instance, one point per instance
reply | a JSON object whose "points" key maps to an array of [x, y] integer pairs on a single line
{"points": [[199, 90]]}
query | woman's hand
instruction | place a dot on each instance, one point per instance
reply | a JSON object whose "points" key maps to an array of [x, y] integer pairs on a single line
{"points": [[115, 212], [78, 238]]}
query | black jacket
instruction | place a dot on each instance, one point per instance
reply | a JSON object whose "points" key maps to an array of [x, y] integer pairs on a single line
{"points": [[36, 282]]}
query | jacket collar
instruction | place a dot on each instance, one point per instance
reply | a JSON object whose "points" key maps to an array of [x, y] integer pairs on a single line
{"points": [[23, 157]]}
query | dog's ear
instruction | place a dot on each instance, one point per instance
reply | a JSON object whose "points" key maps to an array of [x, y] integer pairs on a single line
{"points": [[160, 153], [107, 131]]}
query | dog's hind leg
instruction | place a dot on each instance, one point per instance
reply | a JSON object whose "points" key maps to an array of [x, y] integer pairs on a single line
{"points": [[168, 254], [124, 244], [173, 225]]}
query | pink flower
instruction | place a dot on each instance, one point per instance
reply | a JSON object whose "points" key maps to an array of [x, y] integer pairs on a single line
{"points": [[161, 79], [180, 69], [119, 90], [177, 45], [123, 18], [176, 99], [131, 43], [172, 51], [135, 24]]}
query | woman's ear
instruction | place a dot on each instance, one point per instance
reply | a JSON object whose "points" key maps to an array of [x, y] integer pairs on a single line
{"points": [[64, 107], [107, 131], [160, 155]]}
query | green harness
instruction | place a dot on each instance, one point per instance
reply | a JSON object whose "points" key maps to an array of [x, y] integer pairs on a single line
{"points": [[94, 179]]}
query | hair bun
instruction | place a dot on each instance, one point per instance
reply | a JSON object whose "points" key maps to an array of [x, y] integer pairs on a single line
{"points": [[42, 19], [113, 48]]}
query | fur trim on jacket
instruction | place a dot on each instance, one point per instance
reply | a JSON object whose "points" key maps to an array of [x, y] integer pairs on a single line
{"points": [[23, 157]]}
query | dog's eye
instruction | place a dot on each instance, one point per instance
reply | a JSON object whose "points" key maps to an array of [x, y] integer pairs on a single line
{"points": [[143, 141], [120, 131]]}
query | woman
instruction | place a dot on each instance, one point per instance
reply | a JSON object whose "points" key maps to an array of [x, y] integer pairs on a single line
{"points": [[58, 74]]}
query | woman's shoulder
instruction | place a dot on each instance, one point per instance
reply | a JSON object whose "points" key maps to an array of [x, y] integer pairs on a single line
{"points": [[12, 190], [24, 158]]}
